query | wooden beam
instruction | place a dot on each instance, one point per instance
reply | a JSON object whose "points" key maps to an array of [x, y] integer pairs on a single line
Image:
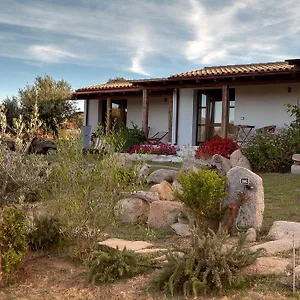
{"points": [[170, 118], [145, 110], [225, 111], [108, 115]]}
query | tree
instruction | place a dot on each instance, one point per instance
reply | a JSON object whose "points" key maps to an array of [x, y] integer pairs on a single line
{"points": [[53, 98], [12, 109], [116, 79]]}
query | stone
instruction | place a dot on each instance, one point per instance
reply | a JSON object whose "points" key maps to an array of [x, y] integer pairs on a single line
{"points": [[163, 214], [181, 229], [143, 172], [274, 247], [183, 218], [193, 164], [162, 174], [177, 186], [39, 146], [238, 159], [131, 210], [223, 164], [251, 235], [147, 196], [268, 266], [297, 270], [164, 190], [296, 158], [151, 251], [251, 211], [129, 245], [295, 169], [282, 229]]}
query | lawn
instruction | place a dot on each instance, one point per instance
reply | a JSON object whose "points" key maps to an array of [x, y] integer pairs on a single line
{"points": [[282, 198]]}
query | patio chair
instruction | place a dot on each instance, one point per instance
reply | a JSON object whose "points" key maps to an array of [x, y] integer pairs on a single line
{"points": [[157, 137], [270, 129], [233, 132]]}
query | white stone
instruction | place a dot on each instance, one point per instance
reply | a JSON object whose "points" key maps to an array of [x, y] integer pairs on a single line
{"points": [[282, 229], [164, 190], [238, 159], [251, 211], [181, 229], [163, 214], [296, 157], [223, 163], [129, 245], [295, 169]]}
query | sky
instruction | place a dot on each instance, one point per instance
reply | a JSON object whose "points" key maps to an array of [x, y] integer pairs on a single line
{"points": [[86, 42]]}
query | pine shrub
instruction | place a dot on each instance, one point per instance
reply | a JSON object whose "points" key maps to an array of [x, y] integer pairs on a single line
{"points": [[108, 264], [205, 266], [45, 234]]}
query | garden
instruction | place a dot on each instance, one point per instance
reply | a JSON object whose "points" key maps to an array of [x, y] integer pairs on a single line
{"points": [[98, 225]]}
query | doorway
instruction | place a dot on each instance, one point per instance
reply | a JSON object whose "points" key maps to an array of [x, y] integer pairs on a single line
{"points": [[209, 113]]}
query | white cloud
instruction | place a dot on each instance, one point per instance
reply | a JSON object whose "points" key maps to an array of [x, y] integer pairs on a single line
{"points": [[49, 54], [136, 63]]}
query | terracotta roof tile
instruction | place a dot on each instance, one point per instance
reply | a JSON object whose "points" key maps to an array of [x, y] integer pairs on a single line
{"points": [[107, 86], [238, 69]]}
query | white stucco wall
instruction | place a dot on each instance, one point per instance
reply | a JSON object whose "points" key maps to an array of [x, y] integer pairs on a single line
{"points": [[158, 114], [264, 105], [186, 117], [93, 113]]}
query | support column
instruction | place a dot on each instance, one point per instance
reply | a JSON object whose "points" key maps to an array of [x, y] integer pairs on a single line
{"points": [[175, 117], [108, 115], [145, 112], [225, 111], [170, 118]]}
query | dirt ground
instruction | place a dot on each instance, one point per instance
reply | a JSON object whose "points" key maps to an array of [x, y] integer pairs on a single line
{"points": [[53, 277]]}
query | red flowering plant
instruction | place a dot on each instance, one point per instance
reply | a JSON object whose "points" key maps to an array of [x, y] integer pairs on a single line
{"points": [[220, 146], [159, 149]]}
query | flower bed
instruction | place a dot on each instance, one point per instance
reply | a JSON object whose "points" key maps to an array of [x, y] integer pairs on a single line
{"points": [[158, 149], [220, 146]]}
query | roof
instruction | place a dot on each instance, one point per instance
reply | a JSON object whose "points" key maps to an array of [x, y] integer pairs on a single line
{"points": [[229, 70], [107, 86]]}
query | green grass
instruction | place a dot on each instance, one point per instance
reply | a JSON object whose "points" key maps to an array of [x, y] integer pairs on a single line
{"points": [[282, 198]]}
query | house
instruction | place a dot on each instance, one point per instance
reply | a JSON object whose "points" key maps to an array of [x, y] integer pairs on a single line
{"points": [[195, 106]]}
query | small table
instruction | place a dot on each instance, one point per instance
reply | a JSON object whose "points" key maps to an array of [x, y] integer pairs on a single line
{"points": [[244, 133]]}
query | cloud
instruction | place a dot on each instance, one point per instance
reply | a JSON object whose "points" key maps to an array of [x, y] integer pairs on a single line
{"points": [[50, 54], [136, 62]]}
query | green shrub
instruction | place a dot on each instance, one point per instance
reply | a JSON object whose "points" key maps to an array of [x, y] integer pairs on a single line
{"points": [[202, 192], [108, 264], [272, 152], [13, 241], [45, 234], [203, 266]]}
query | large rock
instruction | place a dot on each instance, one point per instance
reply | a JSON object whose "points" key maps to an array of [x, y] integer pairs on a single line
{"points": [[162, 174], [181, 229], [177, 186], [238, 159], [251, 235], [131, 210], [251, 211], [295, 169], [296, 159], [129, 245], [268, 266], [163, 214], [283, 229], [147, 196], [164, 190], [143, 172], [223, 164], [193, 164], [274, 247], [42, 146]]}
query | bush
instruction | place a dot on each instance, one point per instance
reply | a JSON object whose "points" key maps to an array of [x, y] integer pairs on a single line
{"points": [[203, 266], [158, 149], [108, 264], [220, 146], [272, 152], [202, 192], [45, 234], [81, 192], [13, 241]]}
